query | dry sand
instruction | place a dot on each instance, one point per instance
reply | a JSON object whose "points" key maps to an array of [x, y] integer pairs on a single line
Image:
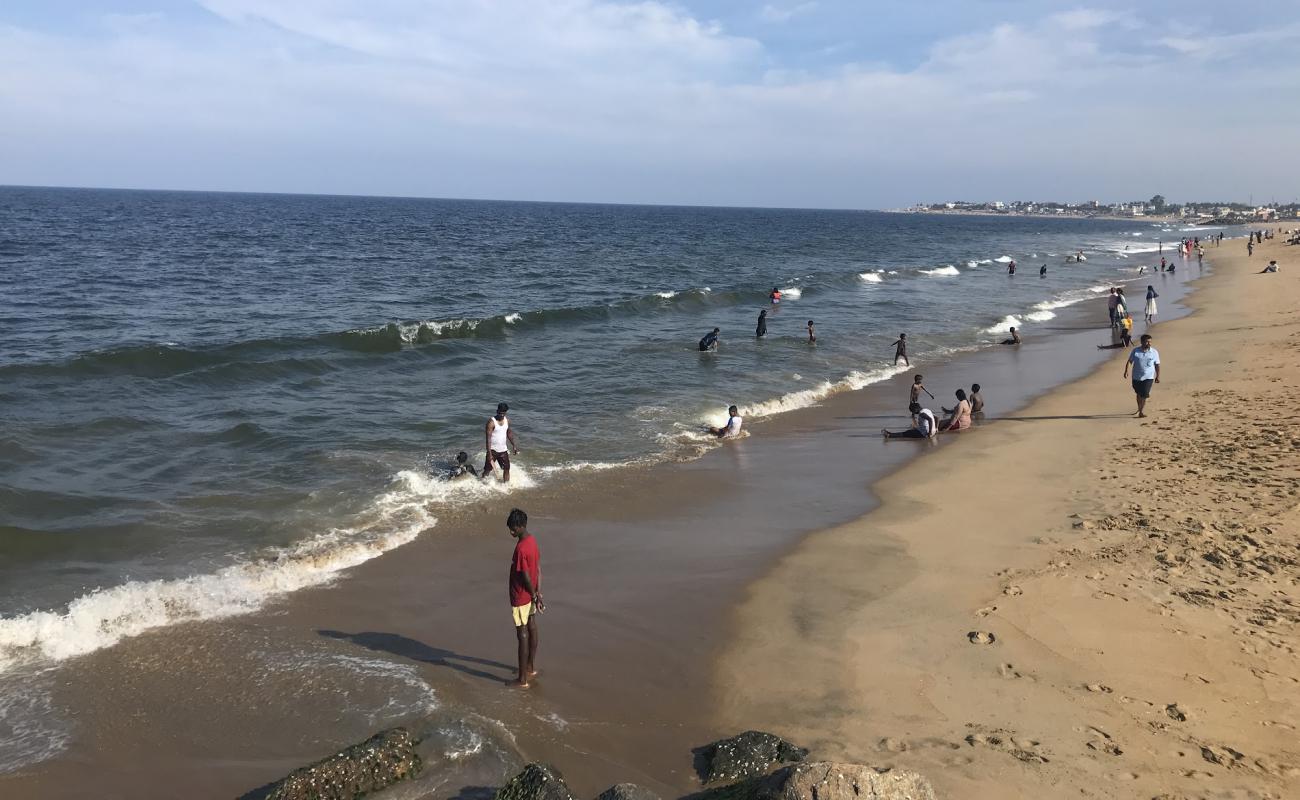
{"points": [[1071, 602]]}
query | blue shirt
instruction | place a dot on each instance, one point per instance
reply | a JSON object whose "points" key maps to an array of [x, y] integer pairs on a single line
{"points": [[1144, 363]]}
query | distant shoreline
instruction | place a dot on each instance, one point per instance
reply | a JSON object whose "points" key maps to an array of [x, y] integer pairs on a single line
{"points": [[972, 212]]}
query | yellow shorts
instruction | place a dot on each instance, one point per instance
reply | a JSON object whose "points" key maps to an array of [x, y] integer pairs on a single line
{"points": [[522, 614]]}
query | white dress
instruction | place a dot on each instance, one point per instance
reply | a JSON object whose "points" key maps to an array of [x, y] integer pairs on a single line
{"points": [[1151, 306]]}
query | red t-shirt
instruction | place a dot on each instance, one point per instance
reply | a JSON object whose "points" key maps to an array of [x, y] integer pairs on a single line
{"points": [[526, 560]]}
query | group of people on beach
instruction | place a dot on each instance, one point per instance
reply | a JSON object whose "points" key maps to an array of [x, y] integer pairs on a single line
{"points": [[925, 425]]}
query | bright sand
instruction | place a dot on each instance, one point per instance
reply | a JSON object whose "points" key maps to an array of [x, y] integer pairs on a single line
{"points": [[1138, 578]]}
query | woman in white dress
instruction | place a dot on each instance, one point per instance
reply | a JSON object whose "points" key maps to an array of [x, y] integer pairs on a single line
{"points": [[1151, 303]]}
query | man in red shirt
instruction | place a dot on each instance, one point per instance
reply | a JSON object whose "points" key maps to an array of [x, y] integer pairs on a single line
{"points": [[525, 593]]}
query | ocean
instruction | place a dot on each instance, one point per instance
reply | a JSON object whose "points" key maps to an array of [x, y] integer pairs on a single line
{"points": [[211, 401]]}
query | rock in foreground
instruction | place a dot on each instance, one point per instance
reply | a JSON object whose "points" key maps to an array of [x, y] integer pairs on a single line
{"points": [[627, 791], [822, 780], [380, 761], [745, 756], [536, 782]]}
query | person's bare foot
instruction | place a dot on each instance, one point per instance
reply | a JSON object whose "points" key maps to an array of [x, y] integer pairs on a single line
{"points": [[532, 674], [1141, 415], [519, 683]]}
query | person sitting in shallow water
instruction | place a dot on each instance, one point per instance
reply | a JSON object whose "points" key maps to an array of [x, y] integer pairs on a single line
{"points": [[924, 425], [732, 429], [1015, 338], [959, 419], [460, 468], [975, 399]]}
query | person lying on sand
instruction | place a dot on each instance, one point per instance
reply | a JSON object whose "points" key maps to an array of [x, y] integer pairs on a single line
{"points": [[732, 429], [924, 425], [1272, 267]]}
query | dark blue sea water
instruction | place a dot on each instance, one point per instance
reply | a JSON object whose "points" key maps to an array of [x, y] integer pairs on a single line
{"points": [[209, 400]]}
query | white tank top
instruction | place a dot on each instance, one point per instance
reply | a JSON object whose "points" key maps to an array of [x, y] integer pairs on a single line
{"points": [[499, 441]]}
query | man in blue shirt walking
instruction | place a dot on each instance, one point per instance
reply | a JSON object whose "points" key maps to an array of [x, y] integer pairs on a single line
{"points": [[1145, 361]]}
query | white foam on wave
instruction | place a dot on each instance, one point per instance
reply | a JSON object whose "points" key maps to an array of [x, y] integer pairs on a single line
{"points": [[511, 319], [972, 264], [1004, 259], [106, 616], [945, 271], [1040, 316], [1008, 321], [809, 397], [30, 728], [871, 277], [792, 293], [666, 295], [985, 261]]}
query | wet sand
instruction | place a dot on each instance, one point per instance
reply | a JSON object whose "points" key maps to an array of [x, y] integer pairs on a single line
{"points": [[643, 569], [1094, 605]]}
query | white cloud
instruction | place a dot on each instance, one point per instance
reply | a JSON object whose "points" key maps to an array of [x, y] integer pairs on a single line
{"points": [[784, 13], [580, 99]]}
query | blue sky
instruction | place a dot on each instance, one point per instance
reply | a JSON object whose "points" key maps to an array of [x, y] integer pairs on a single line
{"points": [[823, 103]]}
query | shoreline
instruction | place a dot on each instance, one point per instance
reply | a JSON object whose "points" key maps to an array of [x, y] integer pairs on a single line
{"points": [[1128, 660], [430, 609]]}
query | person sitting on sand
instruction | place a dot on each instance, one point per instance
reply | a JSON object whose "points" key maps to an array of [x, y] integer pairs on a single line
{"points": [[710, 340], [460, 468], [959, 419], [812, 334], [917, 388], [924, 425], [975, 399], [732, 429], [1272, 267], [1015, 338]]}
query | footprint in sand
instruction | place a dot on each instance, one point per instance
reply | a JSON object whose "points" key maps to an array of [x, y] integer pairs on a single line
{"points": [[1175, 713], [985, 611], [1008, 671], [1098, 687], [1018, 747], [1012, 591], [981, 637]]}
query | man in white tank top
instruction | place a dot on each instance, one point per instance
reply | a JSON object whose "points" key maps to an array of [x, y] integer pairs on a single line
{"points": [[499, 439]]}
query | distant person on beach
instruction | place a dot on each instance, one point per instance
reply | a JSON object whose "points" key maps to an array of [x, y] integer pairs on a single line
{"points": [[1151, 303], [1163, 265], [959, 418], [1172, 267], [1272, 267], [525, 588], [812, 334], [499, 438], [900, 349], [1112, 303], [775, 295], [1042, 271], [1145, 362], [924, 425], [761, 330], [732, 429], [1011, 268], [460, 468], [1015, 338], [917, 388], [710, 340], [975, 399], [1250, 248]]}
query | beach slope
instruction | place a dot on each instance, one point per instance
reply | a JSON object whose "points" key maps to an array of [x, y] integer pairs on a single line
{"points": [[1070, 602]]}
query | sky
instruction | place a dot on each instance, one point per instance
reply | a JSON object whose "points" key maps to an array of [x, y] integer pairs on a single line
{"points": [[796, 103]]}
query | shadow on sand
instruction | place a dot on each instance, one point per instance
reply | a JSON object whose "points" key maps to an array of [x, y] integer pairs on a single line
{"points": [[407, 647]]}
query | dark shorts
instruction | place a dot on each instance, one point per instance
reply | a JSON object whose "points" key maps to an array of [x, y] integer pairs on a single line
{"points": [[1143, 388], [502, 458]]}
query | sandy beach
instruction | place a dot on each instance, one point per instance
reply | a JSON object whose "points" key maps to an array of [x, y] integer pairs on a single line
{"points": [[1075, 602]]}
